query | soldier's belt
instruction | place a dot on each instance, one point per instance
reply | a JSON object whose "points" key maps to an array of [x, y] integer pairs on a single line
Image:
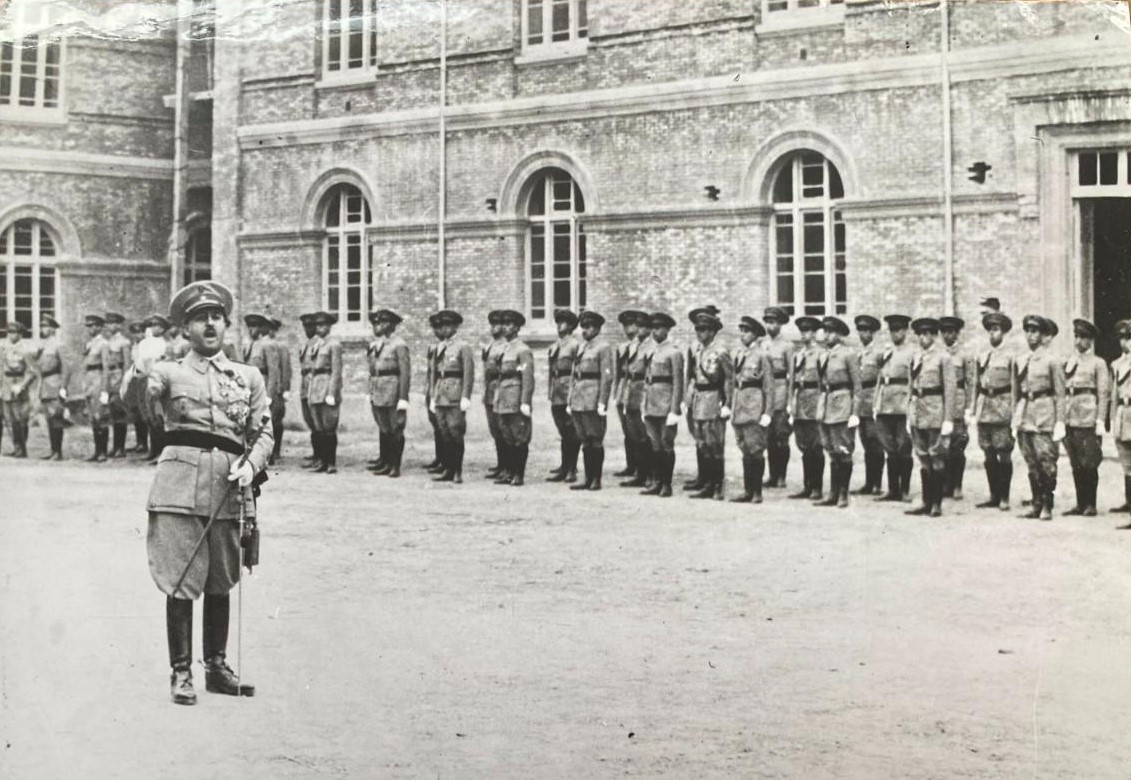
{"points": [[202, 441], [1081, 390], [1124, 402], [808, 385], [450, 375], [488, 375], [305, 371], [833, 387], [636, 377], [920, 392], [510, 374], [894, 380], [320, 371], [93, 367], [113, 366], [991, 392], [657, 380], [707, 386], [587, 375], [1033, 396], [8, 372], [781, 374], [960, 384], [746, 384], [52, 372], [868, 385], [392, 372]]}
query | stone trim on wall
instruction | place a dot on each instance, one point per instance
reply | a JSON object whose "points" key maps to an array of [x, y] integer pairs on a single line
{"points": [[14, 158], [112, 266]]}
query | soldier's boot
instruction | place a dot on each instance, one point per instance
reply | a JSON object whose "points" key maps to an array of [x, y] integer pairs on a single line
{"points": [[119, 450], [958, 475], [313, 456], [643, 462], [19, 440], [1125, 507], [559, 474], [319, 466], [218, 676], [818, 476], [659, 463], [383, 451], [141, 437], [806, 478], [178, 631], [699, 481], [938, 483], [710, 479], [834, 486], [993, 479], [444, 456], [506, 465], [1035, 504], [757, 471], [1081, 494], [396, 442], [101, 439], [669, 473], [892, 493], [587, 462], [747, 494], [598, 466], [571, 463], [316, 443], [772, 457], [437, 464], [906, 468], [845, 479], [332, 453], [925, 482], [457, 459], [522, 452], [56, 443], [720, 478], [629, 469], [51, 439], [1005, 483], [1048, 493], [869, 486], [1092, 482], [276, 433], [493, 472]]}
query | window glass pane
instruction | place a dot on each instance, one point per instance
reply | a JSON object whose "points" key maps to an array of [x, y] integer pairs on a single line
{"points": [[4, 241], [4, 293], [46, 292], [23, 231], [836, 186], [46, 245], [561, 293], [332, 254], [777, 5], [538, 250], [333, 212], [582, 19], [784, 233], [815, 288], [841, 288], [561, 242], [534, 22], [785, 289], [812, 176], [814, 235], [562, 193], [838, 234], [1109, 168], [537, 205], [783, 185], [560, 21], [1088, 168], [578, 200]]}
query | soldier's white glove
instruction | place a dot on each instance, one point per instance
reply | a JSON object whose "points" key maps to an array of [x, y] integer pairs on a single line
{"points": [[103, 398], [286, 395], [432, 406], [402, 405], [969, 416], [63, 393], [464, 404], [601, 410], [1058, 432], [242, 472], [791, 419], [330, 401], [765, 420], [683, 408], [947, 427], [673, 420], [524, 409], [853, 421], [725, 412], [1099, 428], [909, 425]]}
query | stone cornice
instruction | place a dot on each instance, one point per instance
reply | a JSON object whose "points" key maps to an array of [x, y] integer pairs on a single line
{"points": [[113, 266], [693, 217], [13, 158], [926, 206], [276, 239]]}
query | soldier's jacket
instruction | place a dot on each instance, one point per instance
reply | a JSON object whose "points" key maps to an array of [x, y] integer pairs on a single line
{"points": [[620, 368], [454, 372], [995, 386], [516, 378], [1087, 386], [780, 350], [326, 371], [663, 380], [753, 393], [806, 385], [965, 371], [690, 360], [96, 377], [260, 354], [561, 356], [305, 363], [17, 369], [839, 372], [869, 377], [1040, 388], [714, 381], [492, 354], [429, 373], [283, 360], [1121, 398], [894, 389], [118, 347], [389, 370], [592, 379], [933, 388], [215, 396], [54, 368], [631, 374]]}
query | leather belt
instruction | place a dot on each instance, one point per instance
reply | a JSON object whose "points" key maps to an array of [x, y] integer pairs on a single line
{"points": [[921, 392], [1124, 401], [706, 386], [746, 384], [658, 380], [1081, 391], [808, 385], [1033, 396], [894, 380], [960, 384], [320, 371], [991, 392], [52, 372], [450, 375], [636, 377], [833, 387], [93, 367], [510, 374], [14, 373], [868, 385], [388, 372], [781, 374], [489, 375], [202, 441], [583, 375], [305, 371]]}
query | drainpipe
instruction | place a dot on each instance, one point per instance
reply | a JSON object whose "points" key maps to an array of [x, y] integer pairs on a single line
{"points": [[948, 161], [442, 205], [181, 99]]}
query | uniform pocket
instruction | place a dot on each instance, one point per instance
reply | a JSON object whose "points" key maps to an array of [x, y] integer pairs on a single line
{"points": [[174, 484]]}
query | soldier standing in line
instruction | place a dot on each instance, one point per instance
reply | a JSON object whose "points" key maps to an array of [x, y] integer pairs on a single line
{"points": [[839, 408], [133, 389], [870, 354], [1039, 418], [561, 357], [436, 466], [491, 355], [96, 384], [54, 368], [305, 358], [663, 392], [995, 387], [514, 395], [629, 321], [589, 393], [261, 352], [390, 374], [710, 409], [1121, 413], [119, 355], [1088, 389], [780, 350], [146, 352], [931, 413], [630, 395], [891, 406], [454, 377], [326, 393], [950, 329], [19, 371], [690, 361], [806, 389], [282, 388], [753, 396]]}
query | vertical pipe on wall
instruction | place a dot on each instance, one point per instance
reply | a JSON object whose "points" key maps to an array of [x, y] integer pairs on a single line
{"points": [[948, 161], [441, 274], [181, 100]]}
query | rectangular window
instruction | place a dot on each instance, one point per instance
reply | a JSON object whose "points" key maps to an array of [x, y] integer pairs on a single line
{"points": [[349, 37], [770, 6], [1104, 173], [550, 25], [31, 64]]}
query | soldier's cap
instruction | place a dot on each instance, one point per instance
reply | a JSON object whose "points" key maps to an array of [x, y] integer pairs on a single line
{"points": [[997, 318], [925, 325], [591, 319], [493, 317], [49, 321], [633, 317], [385, 315], [199, 295], [158, 320], [1084, 329], [751, 324], [256, 320], [866, 322], [113, 316], [807, 323], [137, 327], [325, 318], [951, 323], [1053, 330], [708, 309], [305, 318], [94, 319], [275, 323], [897, 321], [17, 327], [510, 316], [1123, 329], [836, 325], [993, 304], [775, 314], [566, 316], [661, 320], [707, 320], [448, 317]]}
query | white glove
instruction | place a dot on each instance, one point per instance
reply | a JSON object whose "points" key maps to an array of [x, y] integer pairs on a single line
{"points": [[63, 394], [791, 419], [243, 472], [330, 401], [765, 420], [1099, 428], [853, 421], [464, 404], [104, 398], [683, 408], [432, 406], [725, 412], [601, 410], [969, 417], [909, 426], [1058, 432], [524, 409], [673, 419], [947, 427], [286, 395]]}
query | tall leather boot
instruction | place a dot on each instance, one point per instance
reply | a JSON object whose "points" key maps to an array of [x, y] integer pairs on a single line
{"points": [[384, 462], [119, 450], [938, 483], [1127, 503], [806, 477], [757, 470], [587, 462], [720, 477], [783, 464], [956, 476], [642, 460], [993, 479], [141, 435], [571, 461], [444, 456], [322, 465], [494, 470], [834, 486], [772, 457], [457, 458], [629, 469], [522, 452], [309, 460], [1005, 482], [659, 461], [1092, 482], [893, 493], [178, 632], [845, 480], [101, 442], [560, 470], [818, 475], [51, 440], [218, 676], [438, 460], [276, 433], [507, 458], [698, 482], [1078, 481], [1034, 505], [869, 485], [598, 465], [925, 483], [317, 445], [669, 474], [1048, 496], [396, 442], [747, 494], [710, 477]]}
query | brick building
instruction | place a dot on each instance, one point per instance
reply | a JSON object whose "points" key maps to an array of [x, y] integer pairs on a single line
{"points": [[846, 157]]}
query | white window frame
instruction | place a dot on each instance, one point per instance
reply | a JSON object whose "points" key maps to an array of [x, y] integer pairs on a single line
{"points": [[31, 20], [1120, 188], [547, 49], [786, 15], [801, 205], [578, 277], [339, 69], [37, 261], [342, 236]]}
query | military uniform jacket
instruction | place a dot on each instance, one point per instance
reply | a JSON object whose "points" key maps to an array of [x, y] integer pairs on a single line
{"points": [[326, 371], [631, 392], [389, 370], [96, 378], [561, 356], [492, 354], [933, 388], [454, 372], [429, 372], [780, 351], [18, 365], [259, 354], [869, 377], [306, 363], [806, 384], [964, 373], [1087, 385], [753, 393], [1040, 387], [119, 358], [213, 396], [663, 380], [284, 360], [54, 368], [839, 372], [592, 382], [995, 387], [1121, 398], [714, 381], [894, 388], [516, 378]]}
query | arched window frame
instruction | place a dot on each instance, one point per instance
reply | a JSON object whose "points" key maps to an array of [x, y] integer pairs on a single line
{"points": [[553, 281], [808, 273], [29, 279], [346, 214]]}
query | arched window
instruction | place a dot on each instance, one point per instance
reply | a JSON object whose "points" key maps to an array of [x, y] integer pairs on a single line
{"points": [[555, 245], [347, 273], [198, 256], [808, 237], [29, 282]]}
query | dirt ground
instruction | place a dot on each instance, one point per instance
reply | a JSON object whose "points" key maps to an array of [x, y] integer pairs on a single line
{"points": [[407, 629]]}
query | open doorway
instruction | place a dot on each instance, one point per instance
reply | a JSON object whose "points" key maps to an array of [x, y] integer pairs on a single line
{"points": [[1105, 227]]}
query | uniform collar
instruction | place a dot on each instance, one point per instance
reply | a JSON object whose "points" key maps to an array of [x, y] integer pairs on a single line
{"points": [[200, 363]]}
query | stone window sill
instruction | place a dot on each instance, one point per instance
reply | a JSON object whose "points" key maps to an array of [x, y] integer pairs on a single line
{"points": [[27, 115], [363, 78], [553, 53], [801, 20]]}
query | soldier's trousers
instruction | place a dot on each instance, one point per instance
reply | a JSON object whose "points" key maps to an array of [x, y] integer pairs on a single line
{"points": [[996, 443], [777, 445], [390, 421], [931, 448], [563, 422], [17, 411], [710, 437], [306, 416], [807, 435], [891, 429], [661, 436], [838, 441], [751, 438], [515, 429], [53, 409], [492, 421], [870, 440], [634, 429], [451, 423], [1083, 448], [590, 428], [169, 543], [325, 417], [1040, 453]]}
